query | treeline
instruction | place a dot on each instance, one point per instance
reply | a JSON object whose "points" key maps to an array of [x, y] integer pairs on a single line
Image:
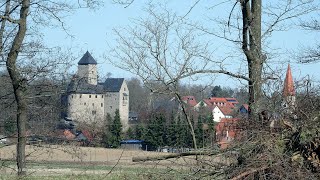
{"points": [[161, 130], [142, 100]]}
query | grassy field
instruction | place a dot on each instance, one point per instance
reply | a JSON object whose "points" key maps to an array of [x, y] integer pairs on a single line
{"points": [[72, 162]]}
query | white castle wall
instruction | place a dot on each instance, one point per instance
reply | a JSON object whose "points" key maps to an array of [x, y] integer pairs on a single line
{"points": [[88, 72], [86, 107]]}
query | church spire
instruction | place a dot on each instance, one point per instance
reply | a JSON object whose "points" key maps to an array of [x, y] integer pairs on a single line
{"points": [[288, 88]]}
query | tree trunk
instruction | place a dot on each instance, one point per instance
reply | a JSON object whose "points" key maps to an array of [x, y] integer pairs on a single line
{"points": [[251, 46], [254, 89], [19, 86]]}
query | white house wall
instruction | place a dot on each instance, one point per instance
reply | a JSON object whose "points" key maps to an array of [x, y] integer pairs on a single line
{"points": [[217, 114]]}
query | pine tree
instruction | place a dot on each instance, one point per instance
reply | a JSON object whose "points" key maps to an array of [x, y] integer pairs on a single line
{"points": [[155, 134], [184, 138], [199, 131], [116, 128], [171, 133], [130, 134], [107, 135], [140, 132]]}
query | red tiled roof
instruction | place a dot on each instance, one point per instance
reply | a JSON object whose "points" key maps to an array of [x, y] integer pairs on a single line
{"points": [[68, 134], [217, 99], [87, 135], [221, 101], [226, 125], [288, 89], [226, 110], [190, 100]]}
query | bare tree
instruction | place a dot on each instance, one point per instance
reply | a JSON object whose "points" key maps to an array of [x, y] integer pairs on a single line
{"points": [[161, 50], [17, 19], [310, 54]]}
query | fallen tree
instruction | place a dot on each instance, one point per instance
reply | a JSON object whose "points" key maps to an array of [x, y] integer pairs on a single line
{"points": [[174, 155]]}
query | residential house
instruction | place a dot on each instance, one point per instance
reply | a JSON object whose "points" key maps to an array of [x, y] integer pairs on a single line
{"points": [[219, 112], [244, 109], [189, 100], [226, 131], [221, 107], [89, 101]]}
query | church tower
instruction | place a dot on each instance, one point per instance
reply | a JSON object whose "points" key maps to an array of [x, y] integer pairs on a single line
{"points": [[289, 91], [87, 69]]}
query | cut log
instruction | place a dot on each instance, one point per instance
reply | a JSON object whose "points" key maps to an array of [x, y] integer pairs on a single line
{"points": [[174, 155]]}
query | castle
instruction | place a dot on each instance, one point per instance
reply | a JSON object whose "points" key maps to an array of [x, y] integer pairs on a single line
{"points": [[89, 101]]}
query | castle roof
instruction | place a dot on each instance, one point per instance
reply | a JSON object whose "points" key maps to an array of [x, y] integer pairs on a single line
{"points": [[288, 88], [87, 59], [79, 85], [113, 84]]}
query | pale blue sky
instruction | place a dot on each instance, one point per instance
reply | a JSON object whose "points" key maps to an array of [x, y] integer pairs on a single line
{"points": [[92, 30]]}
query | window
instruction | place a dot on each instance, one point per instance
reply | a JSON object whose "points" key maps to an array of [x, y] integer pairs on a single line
{"points": [[92, 104], [80, 95], [96, 96], [124, 89], [94, 112], [90, 96], [71, 96], [110, 107], [92, 72], [101, 104], [101, 96], [84, 103]]}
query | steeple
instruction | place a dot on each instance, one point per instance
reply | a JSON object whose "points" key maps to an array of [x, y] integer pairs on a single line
{"points": [[289, 92], [288, 88]]}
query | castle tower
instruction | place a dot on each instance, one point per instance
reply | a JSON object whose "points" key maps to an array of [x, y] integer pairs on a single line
{"points": [[289, 91], [87, 69]]}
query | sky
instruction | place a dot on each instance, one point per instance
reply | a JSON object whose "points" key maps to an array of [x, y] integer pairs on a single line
{"points": [[92, 30]]}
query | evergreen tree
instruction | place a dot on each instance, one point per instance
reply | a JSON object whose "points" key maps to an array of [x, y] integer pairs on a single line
{"points": [[140, 132], [107, 135], [171, 133], [199, 131], [156, 131], [130, 134], [116, 128], [184, 138]]}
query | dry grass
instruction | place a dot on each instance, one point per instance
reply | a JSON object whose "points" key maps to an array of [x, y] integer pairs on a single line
{"points": [[60, 153], [59, 160]]}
